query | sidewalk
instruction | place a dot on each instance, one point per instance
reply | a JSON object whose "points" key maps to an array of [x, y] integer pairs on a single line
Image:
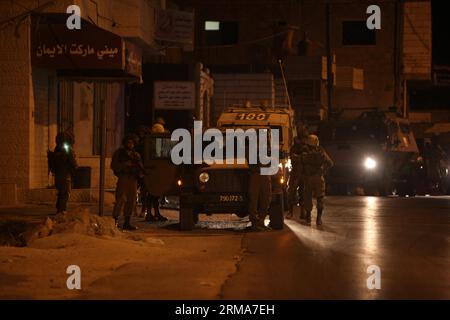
{"points": [[156, 262]]}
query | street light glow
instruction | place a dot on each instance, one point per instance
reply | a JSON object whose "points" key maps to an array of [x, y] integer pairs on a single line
{"points": [[370, 163]]}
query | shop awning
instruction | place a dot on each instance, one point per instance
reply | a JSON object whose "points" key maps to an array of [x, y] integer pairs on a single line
{"points": [[88, 53]]}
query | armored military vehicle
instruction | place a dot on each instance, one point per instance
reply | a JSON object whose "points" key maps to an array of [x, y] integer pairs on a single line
{"points": [[222, 188], [375, 154]]}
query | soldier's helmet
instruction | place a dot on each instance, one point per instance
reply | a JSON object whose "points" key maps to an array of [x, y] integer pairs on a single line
{"points": [[312, 140], [158, 128], [65, 137], [160, 120], [131, 136], [302, 131]]}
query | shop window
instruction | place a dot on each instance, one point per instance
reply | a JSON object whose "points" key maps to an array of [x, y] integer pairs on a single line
{"points": [[356, 33]]}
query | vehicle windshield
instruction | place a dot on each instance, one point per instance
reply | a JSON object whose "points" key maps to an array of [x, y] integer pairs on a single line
{"points": [[158, 148], [353, 132]]}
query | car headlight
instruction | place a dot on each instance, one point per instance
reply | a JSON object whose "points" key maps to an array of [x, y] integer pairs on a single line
{"points": [[370, 163], [203, 177]]}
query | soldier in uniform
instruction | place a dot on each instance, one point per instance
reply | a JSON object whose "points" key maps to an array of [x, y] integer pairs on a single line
{"points": [[127, 166], [62, 163], [296, 185], [259, 197], [315, 162], [153, 201], [143, 193]]}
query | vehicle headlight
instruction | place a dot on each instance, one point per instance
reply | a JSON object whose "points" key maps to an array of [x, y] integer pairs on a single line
{"points": [[203, 177], [370, 163]]}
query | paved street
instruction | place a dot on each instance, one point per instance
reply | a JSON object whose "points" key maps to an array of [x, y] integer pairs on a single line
{"points": [[409, 239]]}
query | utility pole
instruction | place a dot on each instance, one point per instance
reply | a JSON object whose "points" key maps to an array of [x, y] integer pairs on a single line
{"points": [[330, 79], [101, 195]]}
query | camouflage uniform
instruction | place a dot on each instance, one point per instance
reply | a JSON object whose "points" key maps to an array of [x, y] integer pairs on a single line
{"points": [[296, 180], [143, 193], [296, 184], [64, 168], [127, 166], [259, 197], [314, 162]]}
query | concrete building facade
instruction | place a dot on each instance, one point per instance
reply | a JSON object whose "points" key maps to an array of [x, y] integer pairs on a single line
{"points": [[36, 103]]}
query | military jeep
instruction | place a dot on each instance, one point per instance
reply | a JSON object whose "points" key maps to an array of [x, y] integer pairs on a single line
{"points": [[222, 188]]}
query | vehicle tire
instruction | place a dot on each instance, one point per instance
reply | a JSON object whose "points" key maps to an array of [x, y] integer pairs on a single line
{"points": [[285, 199], [444, 187], [186, 218], [370, 190], [384, 190], [276, 214], [196, 217]]}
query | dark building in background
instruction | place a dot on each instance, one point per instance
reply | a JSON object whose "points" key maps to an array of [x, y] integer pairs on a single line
{"points": [[370, 67]]}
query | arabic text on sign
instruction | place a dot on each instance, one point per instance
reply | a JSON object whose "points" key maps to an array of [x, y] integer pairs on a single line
{"points": [[76, 50]]}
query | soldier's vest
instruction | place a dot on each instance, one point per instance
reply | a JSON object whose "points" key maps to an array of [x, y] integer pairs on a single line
{"points": [[123, 155], [312, 161], [59, 163]]}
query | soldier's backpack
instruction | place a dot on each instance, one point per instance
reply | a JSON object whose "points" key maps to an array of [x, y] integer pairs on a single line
{"points": [[51, 161], [312, 160]]}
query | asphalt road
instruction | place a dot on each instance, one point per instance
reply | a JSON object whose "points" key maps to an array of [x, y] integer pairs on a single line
{"points": [[408, 239]]}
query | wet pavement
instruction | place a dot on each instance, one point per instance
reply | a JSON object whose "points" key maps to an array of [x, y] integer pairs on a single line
{"points": [[408, 239]]}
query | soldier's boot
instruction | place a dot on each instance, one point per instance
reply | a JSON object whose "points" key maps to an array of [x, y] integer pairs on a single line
{"points": [[308, 217], [143, 212], [302, 213], [290, 213], [319, 217], [127, 225], [116, 221]]}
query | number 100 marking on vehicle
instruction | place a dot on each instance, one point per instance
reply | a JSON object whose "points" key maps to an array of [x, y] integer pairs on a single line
{"points": [[252, 116]]}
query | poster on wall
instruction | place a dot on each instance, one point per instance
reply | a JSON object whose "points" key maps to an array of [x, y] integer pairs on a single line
{"points": [[174, 95]]}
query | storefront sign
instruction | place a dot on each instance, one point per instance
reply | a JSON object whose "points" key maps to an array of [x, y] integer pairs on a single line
{"points": [[174, 95], [175, 26], [91, 48]]}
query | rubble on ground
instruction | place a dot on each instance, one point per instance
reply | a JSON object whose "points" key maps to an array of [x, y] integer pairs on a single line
{"points": [[81, 221]]}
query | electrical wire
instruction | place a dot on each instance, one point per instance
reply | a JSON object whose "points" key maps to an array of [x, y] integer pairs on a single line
{"points": [[20, 17]]}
